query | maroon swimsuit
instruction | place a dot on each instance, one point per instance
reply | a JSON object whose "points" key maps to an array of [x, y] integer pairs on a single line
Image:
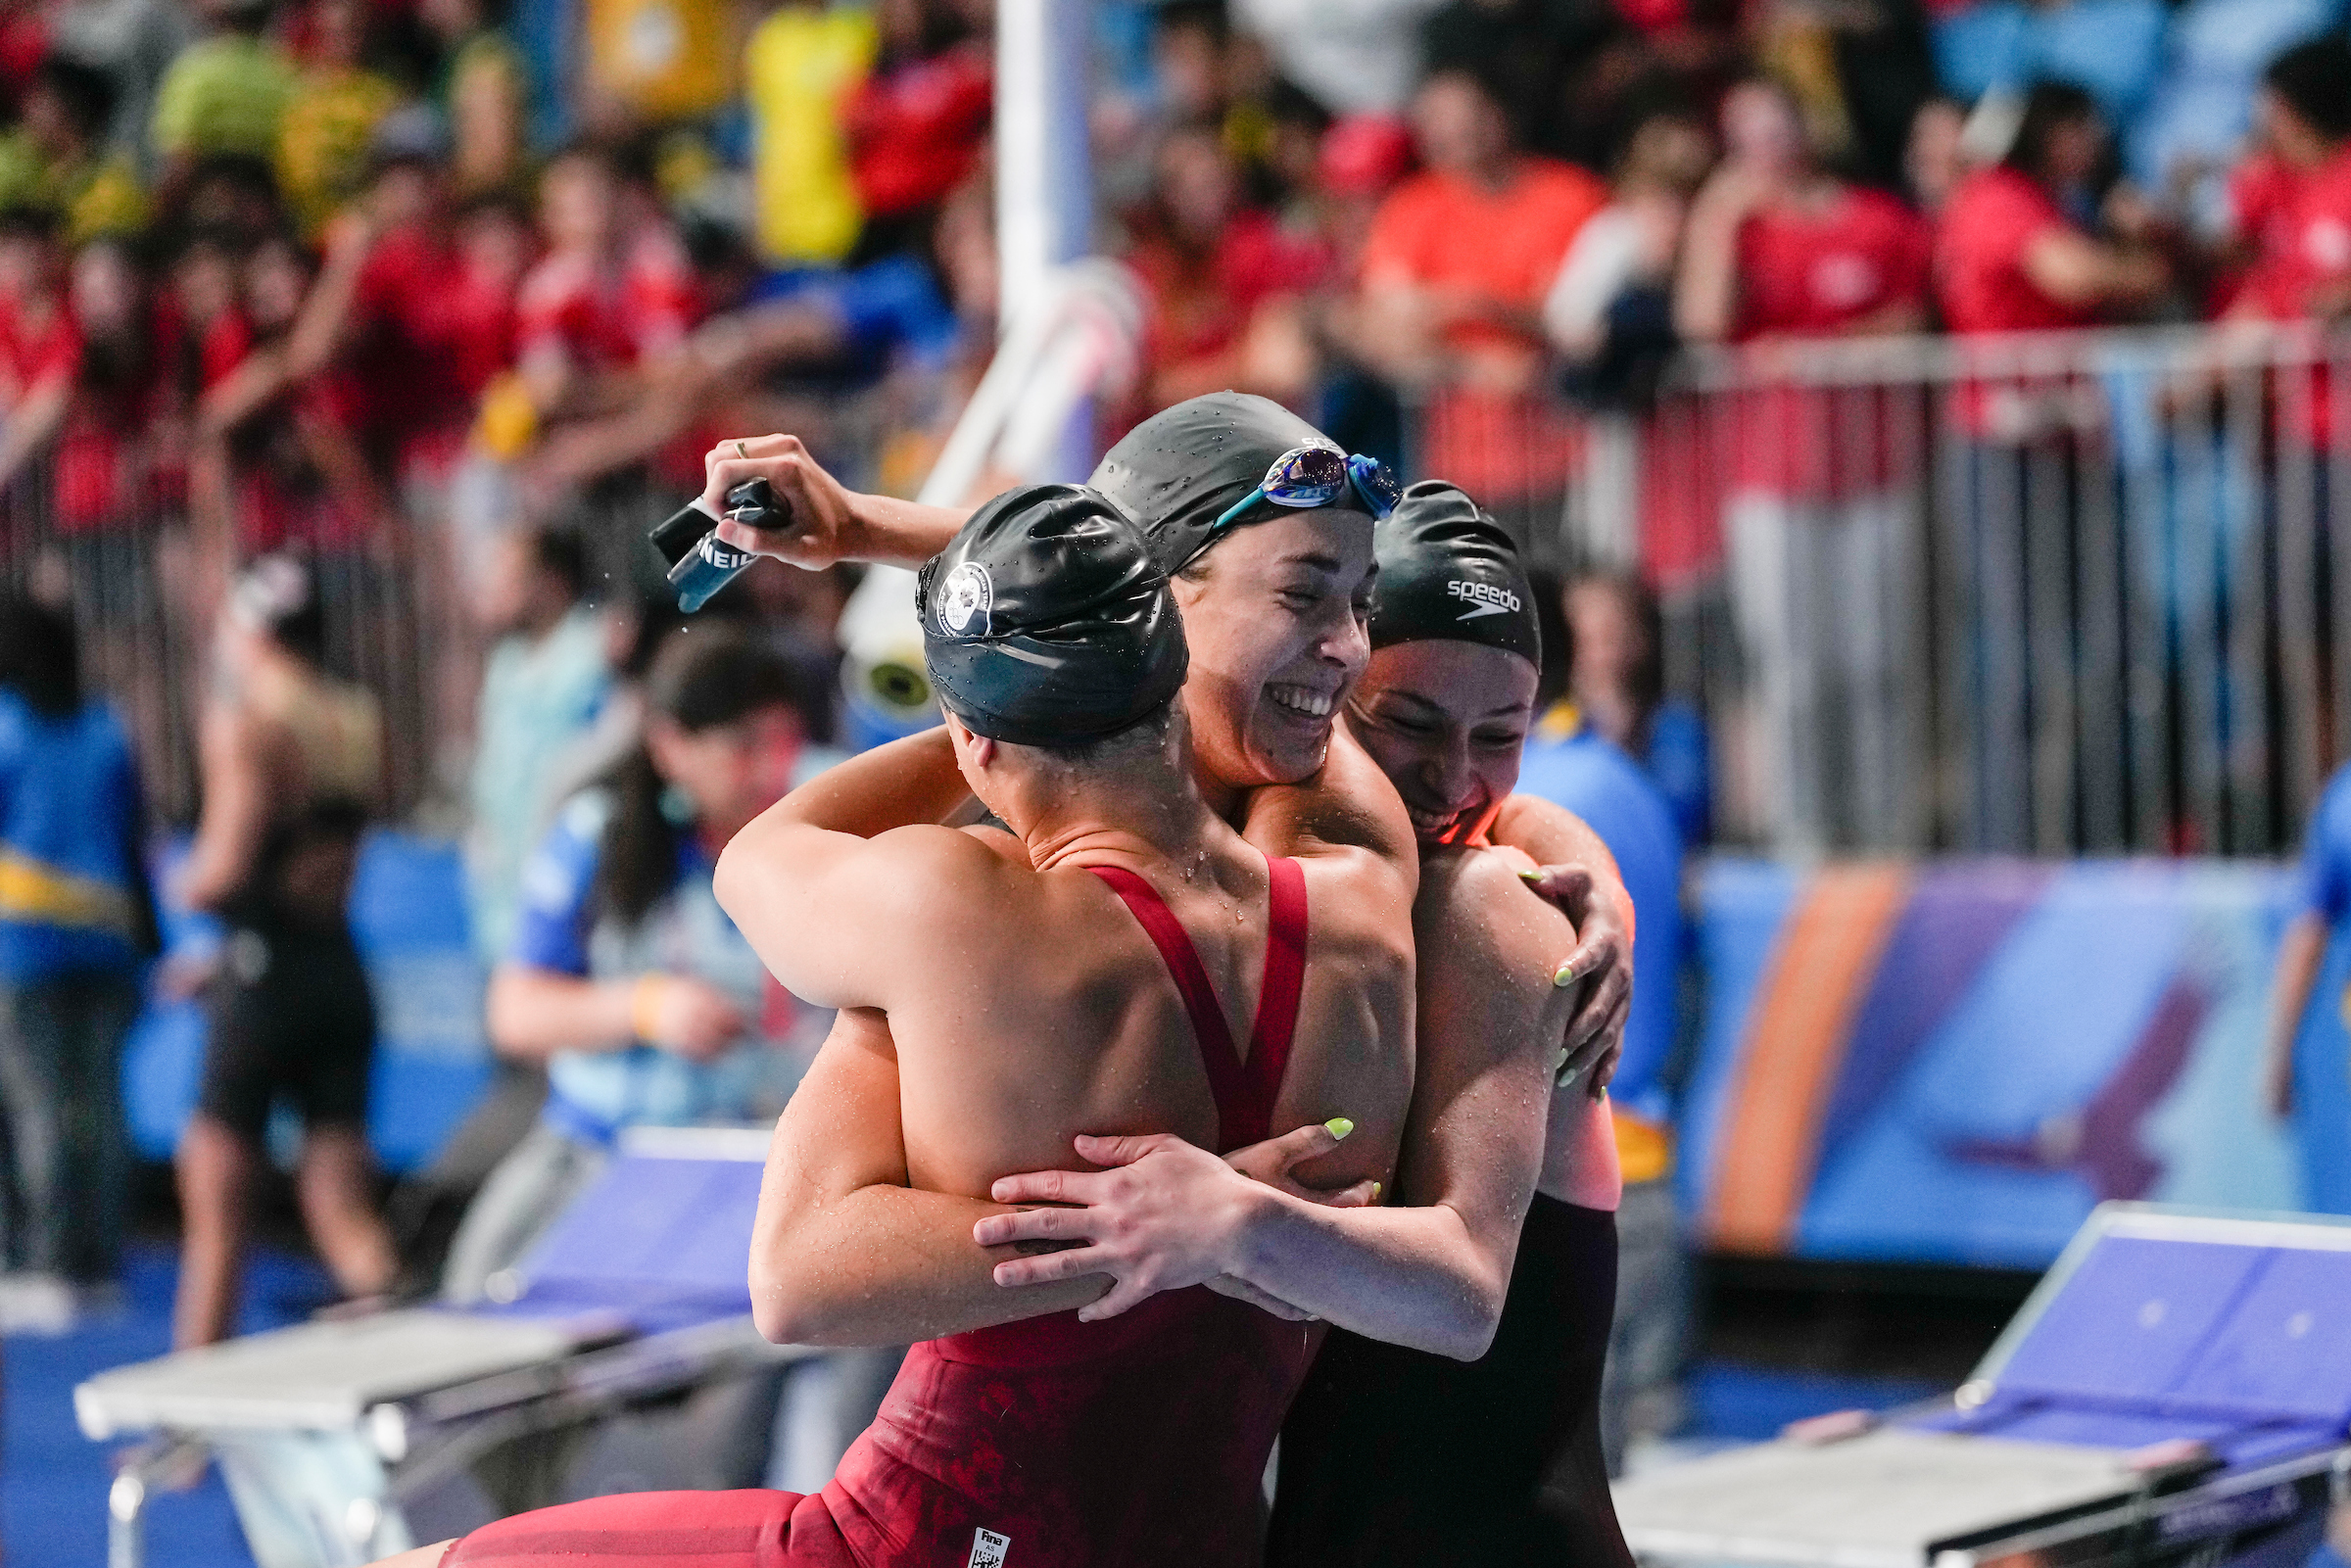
{"points": [[1135, 1442]]}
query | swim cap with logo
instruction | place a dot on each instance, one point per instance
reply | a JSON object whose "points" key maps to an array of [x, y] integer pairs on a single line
{"points": [[1046, 623], [1449, 572], [1182, 468]]}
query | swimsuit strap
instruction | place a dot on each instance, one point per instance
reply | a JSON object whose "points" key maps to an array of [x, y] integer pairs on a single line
{"points": [[1243, 1090], [1277, 998]]}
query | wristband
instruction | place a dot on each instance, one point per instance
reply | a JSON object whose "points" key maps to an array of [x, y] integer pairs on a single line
{"points": [[645, 1003]]}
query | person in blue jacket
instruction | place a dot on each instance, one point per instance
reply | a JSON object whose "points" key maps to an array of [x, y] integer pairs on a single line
{"points": [[77, 924], [1570, 763]]}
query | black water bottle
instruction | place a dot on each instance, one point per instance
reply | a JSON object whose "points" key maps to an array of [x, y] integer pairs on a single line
{"points": [[701, 563]]}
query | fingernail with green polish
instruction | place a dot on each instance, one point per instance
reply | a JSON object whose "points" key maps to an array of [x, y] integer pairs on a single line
{"points": [[1339, 1126], [1376, 1192], [1566, 974], [1530, 875]]}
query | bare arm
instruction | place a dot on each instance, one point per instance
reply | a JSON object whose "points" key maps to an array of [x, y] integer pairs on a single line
{"points": [[324, 323], [2299, 956], [819, 870], [1580, 877], [829, 522], [843, 1251], [32, 424], [2075, 270], [1705, 286], [236, 810]]}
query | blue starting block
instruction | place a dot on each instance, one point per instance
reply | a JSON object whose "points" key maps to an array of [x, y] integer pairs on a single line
{"points": [[2177, 1388], [329, 1432]]}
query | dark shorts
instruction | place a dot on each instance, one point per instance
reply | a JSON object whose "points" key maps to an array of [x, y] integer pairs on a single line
{"points": [[291, 1016]]}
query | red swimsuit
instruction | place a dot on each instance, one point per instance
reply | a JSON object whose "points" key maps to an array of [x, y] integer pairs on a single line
{"points": [[1133, 1443]]}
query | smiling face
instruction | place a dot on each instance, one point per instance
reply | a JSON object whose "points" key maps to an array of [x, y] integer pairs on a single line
{"points": [[1445, 722], [1275, 622]]}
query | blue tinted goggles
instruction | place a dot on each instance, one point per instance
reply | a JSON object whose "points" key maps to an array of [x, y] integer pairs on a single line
{"points": [[1318, 476]]}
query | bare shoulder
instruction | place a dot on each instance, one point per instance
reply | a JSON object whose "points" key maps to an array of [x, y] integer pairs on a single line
{"points": [[1356, 897], [1478, 920]]}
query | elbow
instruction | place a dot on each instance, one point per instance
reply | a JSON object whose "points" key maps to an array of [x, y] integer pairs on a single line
{"points": [[1470, 1333], [788, 1312]]}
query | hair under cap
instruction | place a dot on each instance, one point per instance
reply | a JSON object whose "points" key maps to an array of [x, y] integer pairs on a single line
{"points": [[1449, 572], [1046, 622], [1179, 470]]}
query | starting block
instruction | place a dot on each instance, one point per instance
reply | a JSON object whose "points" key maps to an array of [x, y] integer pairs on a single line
{"points": [[2177, 1389], [639, 1295]]}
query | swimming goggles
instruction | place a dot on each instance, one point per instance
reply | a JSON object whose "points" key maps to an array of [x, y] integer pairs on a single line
{"points": [[1317, 476]]}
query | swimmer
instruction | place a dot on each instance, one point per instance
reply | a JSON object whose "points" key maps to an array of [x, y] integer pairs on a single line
{"points": [[1096, 973], [1272, 658], [1393, 1454]]}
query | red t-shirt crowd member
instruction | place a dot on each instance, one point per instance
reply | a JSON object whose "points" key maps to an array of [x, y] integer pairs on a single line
{"points": [[1442, 234], [434, 329], [914, 129], [1194, 314], [2304, 269], [608, 318], [1815, 275], [1993, 219], [1989, 224], [2261, 201]]}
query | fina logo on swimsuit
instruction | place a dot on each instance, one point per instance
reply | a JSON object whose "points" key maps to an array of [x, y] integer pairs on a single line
{"points": [[988, 1548], [968, 594], [1484, 599]]}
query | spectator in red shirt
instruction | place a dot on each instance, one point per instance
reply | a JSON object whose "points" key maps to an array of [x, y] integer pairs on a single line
{"points": [[1822, 480], [289, 470], [609, 297], [1211, 270], [2299, 190], [2013, 257], [918, 123], [416, 304], [1454, 275]]}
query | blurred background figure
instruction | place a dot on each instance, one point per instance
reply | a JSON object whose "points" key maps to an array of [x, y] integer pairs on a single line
{"points": [[1574, 759], [293, 765], [623, 976], [1454, 273], [1779, 247], [1614, 652], [77, 924]]}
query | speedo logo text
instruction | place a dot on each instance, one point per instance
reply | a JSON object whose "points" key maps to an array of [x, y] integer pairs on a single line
{"points": [[1484, 598]]}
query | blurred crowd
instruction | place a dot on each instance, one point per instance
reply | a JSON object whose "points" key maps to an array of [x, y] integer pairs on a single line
{"points": [[348, 347]]}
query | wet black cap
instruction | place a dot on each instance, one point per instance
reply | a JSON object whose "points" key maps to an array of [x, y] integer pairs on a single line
{"points": [[1182, 468], [1448, 571], [1046, 622]]}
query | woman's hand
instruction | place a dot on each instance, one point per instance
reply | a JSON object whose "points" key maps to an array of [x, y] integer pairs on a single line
{"points": [[1162, 1214], [820, 524], [1602, 962]]}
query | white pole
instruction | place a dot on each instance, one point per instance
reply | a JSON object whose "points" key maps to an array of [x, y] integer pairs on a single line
{"points": [[1044, 187], [1045, 179]]}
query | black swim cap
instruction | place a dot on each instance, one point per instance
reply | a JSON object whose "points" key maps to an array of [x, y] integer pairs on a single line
{"points": [[1179, 470], [1045, 622], [1449, 572]]}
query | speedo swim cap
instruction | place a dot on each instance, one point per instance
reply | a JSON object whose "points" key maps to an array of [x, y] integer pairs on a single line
{"points": [[1448, 571], [1179, 470], [1045, 621]]}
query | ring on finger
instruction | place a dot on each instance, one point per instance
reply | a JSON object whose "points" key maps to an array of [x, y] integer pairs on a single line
{"points": [[742, 452]]}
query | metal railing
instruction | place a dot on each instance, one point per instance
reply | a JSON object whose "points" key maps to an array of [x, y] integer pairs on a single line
{"points": [[145, 579], [2048, 593]]}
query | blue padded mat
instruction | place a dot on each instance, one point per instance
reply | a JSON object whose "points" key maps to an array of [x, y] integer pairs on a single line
{"points": [[658, 1242], [2235, 1333]]}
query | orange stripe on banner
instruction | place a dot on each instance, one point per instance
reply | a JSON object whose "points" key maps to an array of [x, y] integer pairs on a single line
{"points": [[1797, 1039]]}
